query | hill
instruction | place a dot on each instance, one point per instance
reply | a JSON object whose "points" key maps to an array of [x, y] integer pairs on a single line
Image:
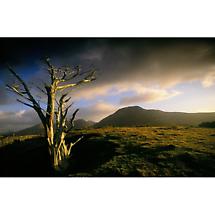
{"points": [[38, 129], [81, 123], [137, 116]]}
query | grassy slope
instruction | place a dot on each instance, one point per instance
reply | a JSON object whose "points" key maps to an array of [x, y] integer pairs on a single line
{"points": [[154, 151], [143, 151]]}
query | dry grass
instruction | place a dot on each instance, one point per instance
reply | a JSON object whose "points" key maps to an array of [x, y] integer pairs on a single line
{"points": [[10, 139], [138, 151], [156, 151]]}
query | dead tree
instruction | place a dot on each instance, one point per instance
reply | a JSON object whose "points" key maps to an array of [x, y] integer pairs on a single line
{"points": [[54, 115]]}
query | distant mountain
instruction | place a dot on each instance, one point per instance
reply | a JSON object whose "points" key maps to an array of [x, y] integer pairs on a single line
{"points": [[81, 123], [137, 116], [38, 129]]}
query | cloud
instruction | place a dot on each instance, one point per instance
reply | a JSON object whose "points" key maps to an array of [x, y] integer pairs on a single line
{"points": [[161, 63], [96, 111], [90, 92], [209, 79], [149, 69], [132, 71], [5, 98], [13, 121], [148, 96], [127, 93]]}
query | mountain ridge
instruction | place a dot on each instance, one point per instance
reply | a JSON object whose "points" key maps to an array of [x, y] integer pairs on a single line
{"points": [[38, 128], [137, 116]]}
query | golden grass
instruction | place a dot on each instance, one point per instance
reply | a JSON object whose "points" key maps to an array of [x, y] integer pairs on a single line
{"points": [[196, 138], [157, 151], [142, 151]]}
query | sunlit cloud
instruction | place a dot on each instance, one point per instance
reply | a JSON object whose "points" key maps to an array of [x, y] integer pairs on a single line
{"points": [[209, 79], [20, 114], [149, 96], [97, 111]]}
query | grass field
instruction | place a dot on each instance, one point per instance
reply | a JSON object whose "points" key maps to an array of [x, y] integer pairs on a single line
{"points": [[139, 151]]}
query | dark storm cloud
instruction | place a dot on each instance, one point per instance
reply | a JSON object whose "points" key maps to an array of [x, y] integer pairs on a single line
{"points": [[149, 61], [21, 50], [115, 52], [132, 59], [149, 68]]}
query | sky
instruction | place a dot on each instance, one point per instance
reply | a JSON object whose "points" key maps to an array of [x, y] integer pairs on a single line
{"points": [[169, 74]]}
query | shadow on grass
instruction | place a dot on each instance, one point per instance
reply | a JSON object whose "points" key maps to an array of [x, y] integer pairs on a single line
{"points": [[90, 154], [30, 157], [170, 160], [98, 155], [26, 158]]}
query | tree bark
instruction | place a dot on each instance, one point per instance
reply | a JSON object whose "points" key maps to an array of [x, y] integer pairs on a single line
{"points": [[60, 78]]}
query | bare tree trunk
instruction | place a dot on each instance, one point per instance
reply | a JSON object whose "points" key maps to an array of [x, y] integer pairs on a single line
{"points": [[61, 79]]}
